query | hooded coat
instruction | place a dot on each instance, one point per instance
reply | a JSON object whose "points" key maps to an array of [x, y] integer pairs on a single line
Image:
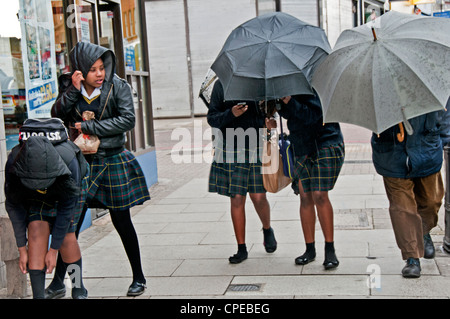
{"points": [[36, 176], [419, 154], [116, 101]]}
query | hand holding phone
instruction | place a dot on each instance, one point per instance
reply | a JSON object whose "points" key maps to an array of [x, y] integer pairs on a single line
{"points": [[239, 109]]}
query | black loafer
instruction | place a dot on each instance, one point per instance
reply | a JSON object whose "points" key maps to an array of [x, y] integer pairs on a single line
{"points": [[330, 264], [238, 258], [55, 294], [78, 293], [136, 289], [270, 243], [304, 259], [331, 260]]}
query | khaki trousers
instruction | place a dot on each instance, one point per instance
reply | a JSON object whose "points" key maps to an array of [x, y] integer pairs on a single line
{"points": [[413, 206]]}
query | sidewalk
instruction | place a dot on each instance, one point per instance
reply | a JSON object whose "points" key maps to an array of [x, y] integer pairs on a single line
{"points": [[186, 237]]}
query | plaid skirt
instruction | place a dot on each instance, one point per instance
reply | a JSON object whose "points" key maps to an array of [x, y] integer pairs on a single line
{"points": [[116, 182], [319, 171], [40, 210], [236, 172]]}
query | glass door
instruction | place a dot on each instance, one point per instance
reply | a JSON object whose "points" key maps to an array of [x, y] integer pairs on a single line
{"points": [[110, 31]]}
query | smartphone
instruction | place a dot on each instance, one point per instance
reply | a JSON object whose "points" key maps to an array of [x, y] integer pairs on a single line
{"points": [[241, 104]]}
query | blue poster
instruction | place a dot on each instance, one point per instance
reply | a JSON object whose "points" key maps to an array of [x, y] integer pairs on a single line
{"points": [[41, 95], [444, 14]]}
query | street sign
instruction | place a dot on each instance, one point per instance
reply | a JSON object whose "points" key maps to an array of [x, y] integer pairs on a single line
{"points": [[444, 14]]}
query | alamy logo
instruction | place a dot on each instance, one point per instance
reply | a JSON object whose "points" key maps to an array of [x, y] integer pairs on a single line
{"points": [[374, 280], [74, 272], [52, 136]]}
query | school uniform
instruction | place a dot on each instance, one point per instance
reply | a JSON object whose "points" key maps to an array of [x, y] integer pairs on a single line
{"points": [[236, 167], [117, 181], [318, 147]]}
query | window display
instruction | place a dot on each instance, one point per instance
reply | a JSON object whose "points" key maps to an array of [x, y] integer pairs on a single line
{"points": [[32, 55]]}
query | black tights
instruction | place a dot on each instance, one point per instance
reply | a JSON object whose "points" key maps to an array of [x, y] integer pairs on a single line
{"points": [[124, 226]]}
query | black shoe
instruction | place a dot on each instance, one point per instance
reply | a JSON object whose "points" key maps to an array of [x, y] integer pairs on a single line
{"points": [[136, 289], [79, 293], [330, 264], [55, 294], [270, 243], [429, 250], [331, 260], [412, 268], [238, 258], [306, 258]]}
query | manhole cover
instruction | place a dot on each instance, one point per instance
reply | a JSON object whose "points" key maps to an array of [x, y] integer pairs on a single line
{"points": [[245, 287]]}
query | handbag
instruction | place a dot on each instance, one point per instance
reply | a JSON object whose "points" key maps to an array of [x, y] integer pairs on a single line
{"points": [[274, 179], [88, 143], [287, 155]]}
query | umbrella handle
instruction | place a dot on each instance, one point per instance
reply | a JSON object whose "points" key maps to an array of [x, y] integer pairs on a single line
{"points": [[401, 135], [374, 35]]}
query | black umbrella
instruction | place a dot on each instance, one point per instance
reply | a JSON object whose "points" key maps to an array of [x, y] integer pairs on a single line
{"points": [[270, 56]]}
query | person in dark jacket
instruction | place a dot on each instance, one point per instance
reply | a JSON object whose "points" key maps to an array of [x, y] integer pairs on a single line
{"points": [[45, 195], [319, 155], [117, 181], [411, 168], [236, 168]]}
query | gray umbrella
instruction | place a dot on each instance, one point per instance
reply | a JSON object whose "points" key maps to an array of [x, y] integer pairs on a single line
{"points": [[385, 73], [270, 56]]}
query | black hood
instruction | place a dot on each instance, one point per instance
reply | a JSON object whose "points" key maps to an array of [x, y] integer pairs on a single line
{"points": [[84, 55], [38, 164]]}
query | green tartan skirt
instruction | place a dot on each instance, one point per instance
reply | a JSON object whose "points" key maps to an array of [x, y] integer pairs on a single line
{"points": [[236, 172], [117, 182], [319, 171], [40, 210]]}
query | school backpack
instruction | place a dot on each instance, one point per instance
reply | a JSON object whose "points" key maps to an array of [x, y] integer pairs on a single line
{"points": [[56, 132]]}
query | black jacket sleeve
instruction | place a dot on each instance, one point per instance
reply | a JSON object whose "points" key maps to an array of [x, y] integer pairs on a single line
{"points": [[67, 99], [302, 109], [18, 216], [219, 116], [65, 210], [15, 208]]}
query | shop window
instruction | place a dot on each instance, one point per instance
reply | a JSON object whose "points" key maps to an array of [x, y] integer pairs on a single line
{"points": [[267, 6], [131, 36], [61, 50], [106, 27], [32, 55]]}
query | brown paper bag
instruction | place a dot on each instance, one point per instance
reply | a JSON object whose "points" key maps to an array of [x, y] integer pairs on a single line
{"points": [[87, 143], [272, 167]]}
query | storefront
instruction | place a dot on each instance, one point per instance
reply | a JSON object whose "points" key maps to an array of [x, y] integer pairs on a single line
{"points": [[35, 39]]}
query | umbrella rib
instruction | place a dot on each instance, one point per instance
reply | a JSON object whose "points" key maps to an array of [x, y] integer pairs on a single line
{"points": [[290, 60], [411, 69], [251, 32]]}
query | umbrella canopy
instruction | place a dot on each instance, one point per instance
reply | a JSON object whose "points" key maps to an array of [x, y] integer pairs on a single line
{"points": [[270, 56], [378, 77]]}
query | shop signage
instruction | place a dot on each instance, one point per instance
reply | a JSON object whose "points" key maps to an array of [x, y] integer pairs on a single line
{"points": [[38, 55], [444, 14]]}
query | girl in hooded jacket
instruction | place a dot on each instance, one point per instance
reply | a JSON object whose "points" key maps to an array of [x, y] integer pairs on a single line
{"points": [[117, 181], [45, 195]]}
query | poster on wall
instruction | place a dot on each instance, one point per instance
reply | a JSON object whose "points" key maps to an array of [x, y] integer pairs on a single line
{"points": [[39, 62]]}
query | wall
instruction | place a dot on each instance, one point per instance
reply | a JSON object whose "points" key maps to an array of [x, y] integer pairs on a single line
{"points": [[305, 10], [177, 75], [210, 23]]}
